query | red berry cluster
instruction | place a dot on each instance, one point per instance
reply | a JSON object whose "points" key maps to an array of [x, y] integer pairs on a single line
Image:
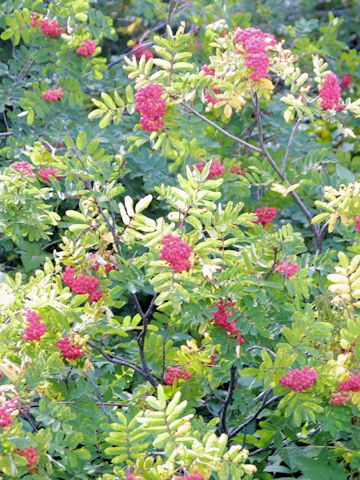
{"points": [[237, 170], [339, 398], [47, 172], [255, 44], [265, 215], [50, 28], [35, 18], [82, 284], [6, 410], [217, 169], [357, 224], [31, 455], [210, 72], [330, 93], [110, 263], [345, 81], [151, 107], [53, 95], [69, 349], [87, 48], [288, 269], [24, 168], [221, 318], [299, 379], [173, 373], [352, 384], [35, 329], [176, 252], [139, 51], [194, 476]]}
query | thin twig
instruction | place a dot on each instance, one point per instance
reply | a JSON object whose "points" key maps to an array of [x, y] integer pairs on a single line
{"points": [[223, 426], [289, 145], [247, 422]]}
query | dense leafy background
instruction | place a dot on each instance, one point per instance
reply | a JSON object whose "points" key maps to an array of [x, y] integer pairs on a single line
{"points": [[74, 413]]}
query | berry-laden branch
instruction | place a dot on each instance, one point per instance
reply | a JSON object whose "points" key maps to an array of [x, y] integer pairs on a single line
{"points": [[264, 151]]}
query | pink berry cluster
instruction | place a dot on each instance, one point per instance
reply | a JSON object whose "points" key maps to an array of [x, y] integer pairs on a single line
{"points": [[24, 168], [175, 373], [139, 51], [287, 268], [87, 48], [265, 215], [345, 81], [111, 262], [221, 318], [47, 172], [82, 284], [339, 398], [53, 94], [176, 252], [238, 170], [151, 107], [194, 476], [330, 93], [31, 455], [352, 384], [35, 329], [217, 169], [210, 94], [299, 379], [50, 28], [255, 43], [357, 224], [69, 349], [7, 409]]}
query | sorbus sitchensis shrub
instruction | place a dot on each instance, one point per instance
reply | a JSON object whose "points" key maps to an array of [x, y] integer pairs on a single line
{"points": [[175, 373], [176, 252], [87, 48], [69, 349], [299, 379], [35, 329]]}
